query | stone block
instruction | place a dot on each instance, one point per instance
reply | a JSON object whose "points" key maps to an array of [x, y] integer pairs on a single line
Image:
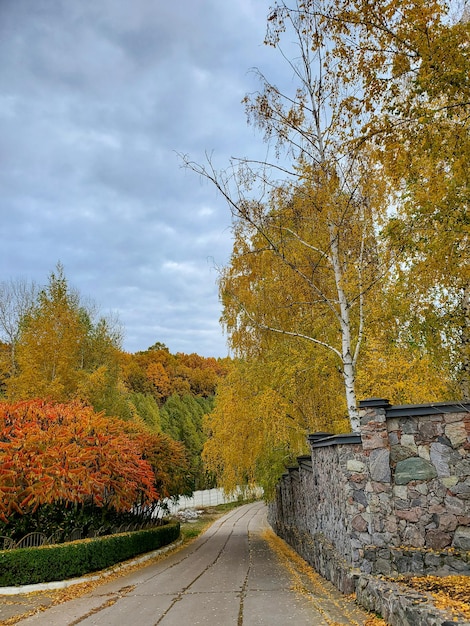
{"points": [[413, 468], [409, 425], [372, 439], [399, 453], [408, 441], [462, 490], [355, 466], [416, 499], [383, 489], [458, 566], [413, 536], [440, 458], [390, 525], [422, 488], [378, 539], [437, 491], [450, 481], [447, 522], [456, 433], [462, 538], [402, 505], [432, 561], [410, 515], [417, 563], [359, 524], [393, 437], [401, 492], [360, 497], [365, 538], [427, 431], [424, 452], [383, 566], [393, 424], [449, 418], [380, 465], [462, 468], [437, 540], [383, 553], [357, 478]]}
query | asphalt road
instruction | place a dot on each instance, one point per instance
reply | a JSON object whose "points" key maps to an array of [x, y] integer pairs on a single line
{"points": [[229, 576]]}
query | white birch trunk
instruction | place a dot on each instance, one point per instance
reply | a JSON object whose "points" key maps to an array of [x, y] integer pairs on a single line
{"points": [[349, 369]]}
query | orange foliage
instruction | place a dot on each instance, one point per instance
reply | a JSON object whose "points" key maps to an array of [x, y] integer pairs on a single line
{"points": [[52, 452], [163, 374], [169, 462], [159, 379]]}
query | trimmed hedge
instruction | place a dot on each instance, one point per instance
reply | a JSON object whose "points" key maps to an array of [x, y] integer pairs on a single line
{"points": [[26, 566]]}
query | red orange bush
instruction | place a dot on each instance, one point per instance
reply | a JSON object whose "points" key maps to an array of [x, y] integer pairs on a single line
{"points": [[53, 452]]}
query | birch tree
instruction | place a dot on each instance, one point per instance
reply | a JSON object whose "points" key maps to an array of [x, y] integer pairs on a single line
{"points": [[313, 213], [410, 61]]}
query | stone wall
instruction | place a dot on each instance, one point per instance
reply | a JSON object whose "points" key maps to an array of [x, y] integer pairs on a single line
{"points": [[393, 499]]}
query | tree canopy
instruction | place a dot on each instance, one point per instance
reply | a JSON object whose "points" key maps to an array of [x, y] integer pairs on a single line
{"points": [[57, 348], [353, 238]]}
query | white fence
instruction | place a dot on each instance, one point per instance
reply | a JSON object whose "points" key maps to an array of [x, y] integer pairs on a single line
{"points": [[207, 497]]}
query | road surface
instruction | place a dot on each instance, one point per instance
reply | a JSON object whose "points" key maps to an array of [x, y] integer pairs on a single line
{"points": [[229, 576]]}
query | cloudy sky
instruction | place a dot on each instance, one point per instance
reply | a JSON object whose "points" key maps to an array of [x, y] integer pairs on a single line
{"points": [[97, 97]]}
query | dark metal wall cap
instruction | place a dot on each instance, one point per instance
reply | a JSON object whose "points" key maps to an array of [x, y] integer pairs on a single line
{"points": [[305, 462], [348, 438], [312, 437], [433, 408], [374, 403]]}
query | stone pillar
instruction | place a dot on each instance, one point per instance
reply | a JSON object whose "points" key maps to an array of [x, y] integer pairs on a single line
{"points": [[378, 489]]}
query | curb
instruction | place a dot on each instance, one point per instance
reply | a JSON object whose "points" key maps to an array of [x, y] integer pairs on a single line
{"points": [[398, 606], [63, 584]]}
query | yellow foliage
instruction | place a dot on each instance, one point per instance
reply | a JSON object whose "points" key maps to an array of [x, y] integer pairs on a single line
{"points": [[62, 355], [264, 410], [451, 593], [401, 374]]}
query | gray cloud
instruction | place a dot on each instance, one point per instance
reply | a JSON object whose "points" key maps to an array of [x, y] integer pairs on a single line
{"points": [[96, 99]]}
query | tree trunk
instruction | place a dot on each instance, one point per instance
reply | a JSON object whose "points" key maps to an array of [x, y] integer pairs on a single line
{"points": [[349, 369]]}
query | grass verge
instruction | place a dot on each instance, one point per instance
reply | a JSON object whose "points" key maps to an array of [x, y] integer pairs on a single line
{"points": [[191, 530]]}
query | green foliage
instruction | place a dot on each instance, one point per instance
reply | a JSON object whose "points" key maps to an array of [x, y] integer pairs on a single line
{"points": [[146, 408], [182, 419], [58, 562]]}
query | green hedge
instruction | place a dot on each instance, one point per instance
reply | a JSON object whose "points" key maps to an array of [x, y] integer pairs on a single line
{"points": [[25, 566]]}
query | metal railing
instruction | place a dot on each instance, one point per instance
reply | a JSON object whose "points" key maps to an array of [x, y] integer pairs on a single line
{"points": [[203, 498], [36, 538]]}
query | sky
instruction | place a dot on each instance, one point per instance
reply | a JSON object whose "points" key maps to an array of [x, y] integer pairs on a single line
{"points": [[97, 99]]}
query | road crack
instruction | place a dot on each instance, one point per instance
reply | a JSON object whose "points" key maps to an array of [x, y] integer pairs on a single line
{"points": [[109, 602], [183, 591]]}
